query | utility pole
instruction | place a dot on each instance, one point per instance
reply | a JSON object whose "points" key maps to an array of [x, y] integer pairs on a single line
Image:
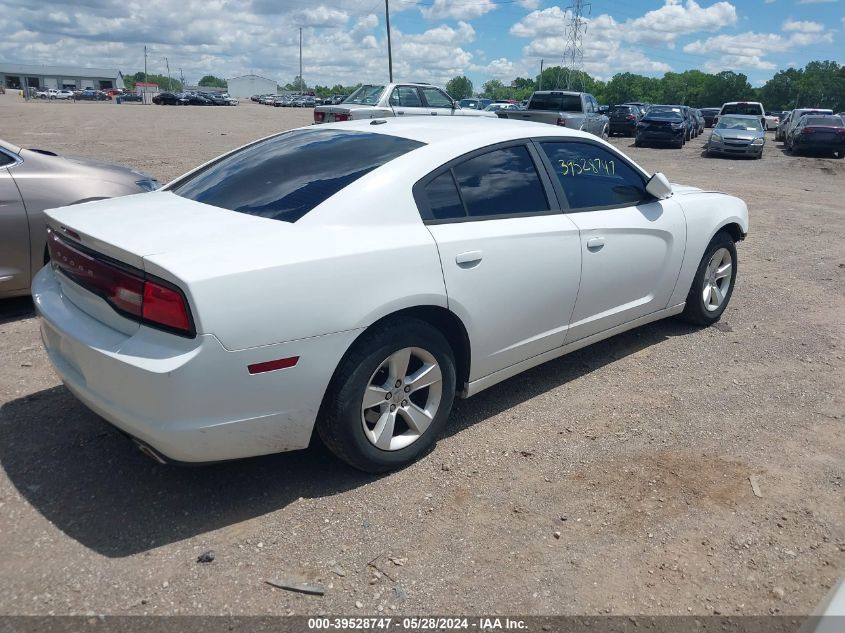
{"points": [[300, 60], [182, 78], [169, 81], [541, 74], [389, 47], [145, 74]]}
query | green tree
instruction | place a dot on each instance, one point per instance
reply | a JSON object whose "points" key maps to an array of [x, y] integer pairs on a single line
{"points": [[172, 85], [459, 87], [210, 81]]}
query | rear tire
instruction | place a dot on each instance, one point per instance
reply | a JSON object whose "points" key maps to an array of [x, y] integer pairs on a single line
{"points": [[710, 293], [383, 436]]}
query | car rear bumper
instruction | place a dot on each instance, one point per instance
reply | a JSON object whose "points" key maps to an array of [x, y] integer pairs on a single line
{"points": [[819, 146], [191, 400]]}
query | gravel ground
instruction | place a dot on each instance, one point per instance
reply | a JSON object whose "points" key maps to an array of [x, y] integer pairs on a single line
{"points": [[614, 480]]}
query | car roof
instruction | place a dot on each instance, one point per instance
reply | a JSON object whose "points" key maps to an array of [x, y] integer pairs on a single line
{"points": [[444, 130], [750, 117]]}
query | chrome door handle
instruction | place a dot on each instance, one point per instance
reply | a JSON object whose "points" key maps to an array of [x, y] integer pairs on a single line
{"points": [[470, 259], [595, 243], [401, 112]]}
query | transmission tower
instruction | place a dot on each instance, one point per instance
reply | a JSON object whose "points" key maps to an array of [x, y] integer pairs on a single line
{"points": [[573, 56]]}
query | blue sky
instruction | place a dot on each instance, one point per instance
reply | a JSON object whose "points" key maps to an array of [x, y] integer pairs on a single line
{"points": [[433, 40]]}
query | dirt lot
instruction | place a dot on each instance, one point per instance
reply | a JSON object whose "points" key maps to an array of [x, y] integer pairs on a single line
{"points": [[614, 480]]}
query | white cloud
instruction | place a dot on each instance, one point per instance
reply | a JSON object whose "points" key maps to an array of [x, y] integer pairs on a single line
{"points": [[674, 19], [748, 50], [457, 9], [502, 69], [529, 4], [802, 26]]}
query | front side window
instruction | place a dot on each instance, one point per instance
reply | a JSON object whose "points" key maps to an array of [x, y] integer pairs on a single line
{"points": [[592, 177], [285, 176], [436, 98], [501, 182], [405, 96]]}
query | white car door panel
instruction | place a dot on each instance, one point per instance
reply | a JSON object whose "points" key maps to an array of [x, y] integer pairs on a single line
{"points": [[513, 282], [14, 234], [632, 245], [630, 262]]}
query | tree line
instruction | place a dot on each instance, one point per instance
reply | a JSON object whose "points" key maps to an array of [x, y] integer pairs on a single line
{"points": [[820, 84]]}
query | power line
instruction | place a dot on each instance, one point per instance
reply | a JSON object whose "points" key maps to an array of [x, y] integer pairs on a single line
{"points": [[573, 57]]}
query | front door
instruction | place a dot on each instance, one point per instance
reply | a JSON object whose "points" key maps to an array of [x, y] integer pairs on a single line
{"points": [[631, 245], [511, 264]]}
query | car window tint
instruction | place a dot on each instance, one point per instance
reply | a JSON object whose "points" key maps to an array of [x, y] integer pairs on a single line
{"points": [[443, 198], [286, 176], [743, 108], [406, 96], [5, 159], [436, 99], [593, 177], [555, 101], [501, 182]]}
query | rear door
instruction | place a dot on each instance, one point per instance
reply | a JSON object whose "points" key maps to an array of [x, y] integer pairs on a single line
{"points": [[511, 260], [632, 245], [406, 101], [15, 267]]}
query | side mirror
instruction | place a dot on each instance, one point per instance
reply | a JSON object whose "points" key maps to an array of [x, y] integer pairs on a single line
{"points": [[659, 187]]}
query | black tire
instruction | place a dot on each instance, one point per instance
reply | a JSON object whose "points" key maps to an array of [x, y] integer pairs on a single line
{"points": [[638, 142], [339, 423], [695, 312]]}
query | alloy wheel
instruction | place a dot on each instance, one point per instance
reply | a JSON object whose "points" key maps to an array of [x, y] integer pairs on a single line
{"points": [[401, 399], [717, 279]]}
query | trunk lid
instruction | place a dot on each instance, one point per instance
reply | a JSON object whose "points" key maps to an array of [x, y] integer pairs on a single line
{"points": [[356, 110]]}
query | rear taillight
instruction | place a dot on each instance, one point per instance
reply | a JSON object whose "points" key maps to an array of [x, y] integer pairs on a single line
{"points": [[342, 117], [131, 292], [630, 117], [840, 131], [318, 116], [561, 122], [808, 130]]}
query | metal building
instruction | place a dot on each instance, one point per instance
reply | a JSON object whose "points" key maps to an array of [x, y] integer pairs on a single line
{"points": [[247, 85], [15, 76]]}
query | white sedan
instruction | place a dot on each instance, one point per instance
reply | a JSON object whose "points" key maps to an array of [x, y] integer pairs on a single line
{"points": [[356, 277]]}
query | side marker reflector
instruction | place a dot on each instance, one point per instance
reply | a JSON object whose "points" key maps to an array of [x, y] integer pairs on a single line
{"points": [[273, 365]]}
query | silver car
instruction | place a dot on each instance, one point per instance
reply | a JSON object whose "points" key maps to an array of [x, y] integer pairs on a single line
{"points": [[737, 135], [32, 180]]}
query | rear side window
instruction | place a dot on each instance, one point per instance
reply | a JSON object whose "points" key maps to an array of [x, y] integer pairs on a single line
{"points": [[5, 159], [406, 96], [592, 177], [501, 182], [443, 198], [436, 99], [284, 177]]}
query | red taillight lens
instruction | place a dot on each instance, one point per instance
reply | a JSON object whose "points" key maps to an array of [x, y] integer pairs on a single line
{"points": [[808, 130], [130, 292], [165, 306], [630, 117], [319, 116], [342, 117], [561, 122], [840, 131]]}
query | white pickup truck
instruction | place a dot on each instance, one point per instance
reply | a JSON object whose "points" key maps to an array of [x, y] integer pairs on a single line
{"points": [[394, 100]]}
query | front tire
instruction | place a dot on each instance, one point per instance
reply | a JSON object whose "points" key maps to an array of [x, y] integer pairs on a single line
{"points": [[390, 396], [713, 284]]}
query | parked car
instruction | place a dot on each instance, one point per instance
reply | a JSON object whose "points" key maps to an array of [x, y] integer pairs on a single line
{"points": [[194, 99], [623, 120], [394, 100], [475, 103], [90, 95], [816, 134], [662, 124], [495, 231], [563, 108], [132, 96], [710, 115], [166, 98], [641, 106], [772, 120], [32, 180], [335, 99], [496, 107], [698, 120], [754, 108], [795, 118], [737, 135]]}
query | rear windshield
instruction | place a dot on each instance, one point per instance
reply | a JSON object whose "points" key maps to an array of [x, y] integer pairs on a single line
{"points": [[555, 101], [834, 121], [365, 95], [622, 110], [742, 108], [668, 112], [284, 177]]}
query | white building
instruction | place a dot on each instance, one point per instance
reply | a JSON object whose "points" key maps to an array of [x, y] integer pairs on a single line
{"points": [[247, 85], [15, 76]]}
